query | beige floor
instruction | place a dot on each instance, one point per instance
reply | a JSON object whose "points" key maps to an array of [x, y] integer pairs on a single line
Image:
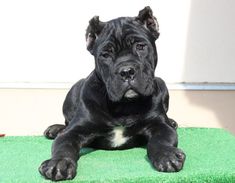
{"points": [[30, 111]]}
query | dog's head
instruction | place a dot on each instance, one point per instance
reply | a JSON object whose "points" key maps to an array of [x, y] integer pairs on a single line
{"points": [[125, 53]]}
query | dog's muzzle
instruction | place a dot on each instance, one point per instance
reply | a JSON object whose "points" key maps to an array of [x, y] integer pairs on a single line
{"points": [[127, 73]]}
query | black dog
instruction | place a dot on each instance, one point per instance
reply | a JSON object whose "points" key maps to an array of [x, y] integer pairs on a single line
{"points": [[120, 104]]}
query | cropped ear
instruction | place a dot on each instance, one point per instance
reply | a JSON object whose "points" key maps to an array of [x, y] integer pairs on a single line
{"points": [[93, 31], [149, 21]]}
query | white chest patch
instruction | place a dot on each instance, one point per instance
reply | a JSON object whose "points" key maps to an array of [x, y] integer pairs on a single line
{"points": [[117, 139]]}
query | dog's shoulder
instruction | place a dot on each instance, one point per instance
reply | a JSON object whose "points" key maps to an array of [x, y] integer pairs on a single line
{"points": [[162, 91], [75, 90], [160, 84], [71, 100], [83, 86]]}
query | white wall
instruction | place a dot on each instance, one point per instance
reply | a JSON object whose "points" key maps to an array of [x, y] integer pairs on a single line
{"points": [[42, 45], [43, 41]]}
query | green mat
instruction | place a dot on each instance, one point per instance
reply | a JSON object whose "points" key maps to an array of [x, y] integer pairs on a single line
{"points": [[210, 158]]}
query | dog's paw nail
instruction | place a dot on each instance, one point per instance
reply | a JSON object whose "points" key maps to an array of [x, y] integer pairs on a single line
{"points": [[58, 175], [180, 155], [159, 166]]}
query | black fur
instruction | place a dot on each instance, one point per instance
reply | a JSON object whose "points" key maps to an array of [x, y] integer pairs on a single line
{"points": [[121, 92]]}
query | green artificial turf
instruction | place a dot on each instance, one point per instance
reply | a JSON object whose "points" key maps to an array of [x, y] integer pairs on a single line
{"points": [[210, 158]]}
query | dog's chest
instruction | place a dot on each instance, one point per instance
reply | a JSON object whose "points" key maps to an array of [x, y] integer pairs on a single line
{"points": [[117, 136]]}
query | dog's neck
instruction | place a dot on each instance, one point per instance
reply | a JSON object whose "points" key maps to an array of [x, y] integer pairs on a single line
{"points": [[130, 107]]}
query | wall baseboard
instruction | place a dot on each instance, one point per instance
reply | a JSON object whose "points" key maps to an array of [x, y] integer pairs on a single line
{"points": [[201, 86], [67, 85]]}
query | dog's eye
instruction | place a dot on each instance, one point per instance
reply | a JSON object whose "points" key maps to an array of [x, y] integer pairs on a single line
{"points": [[141, 46], [105, 55]]}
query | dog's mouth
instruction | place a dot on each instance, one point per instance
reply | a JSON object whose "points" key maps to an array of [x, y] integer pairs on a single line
{"points": [[128, 91], [131, 94]]}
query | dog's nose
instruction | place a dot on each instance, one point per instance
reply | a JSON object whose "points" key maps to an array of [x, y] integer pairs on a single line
{"points": [[127, 73]]}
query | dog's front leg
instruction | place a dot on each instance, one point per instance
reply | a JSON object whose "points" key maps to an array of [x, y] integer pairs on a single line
{"points": [[65, 153], [162, 146]]}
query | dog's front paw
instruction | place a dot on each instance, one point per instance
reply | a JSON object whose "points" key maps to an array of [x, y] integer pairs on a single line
{"points": [[167, 159], [52, 131], [58, 169]]}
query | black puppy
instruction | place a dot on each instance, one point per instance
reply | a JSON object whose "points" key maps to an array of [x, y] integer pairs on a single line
{"points": [[120, 104]]}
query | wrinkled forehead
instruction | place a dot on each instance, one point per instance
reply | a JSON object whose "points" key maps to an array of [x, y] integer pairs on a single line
{"points": [[119, 30]]}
